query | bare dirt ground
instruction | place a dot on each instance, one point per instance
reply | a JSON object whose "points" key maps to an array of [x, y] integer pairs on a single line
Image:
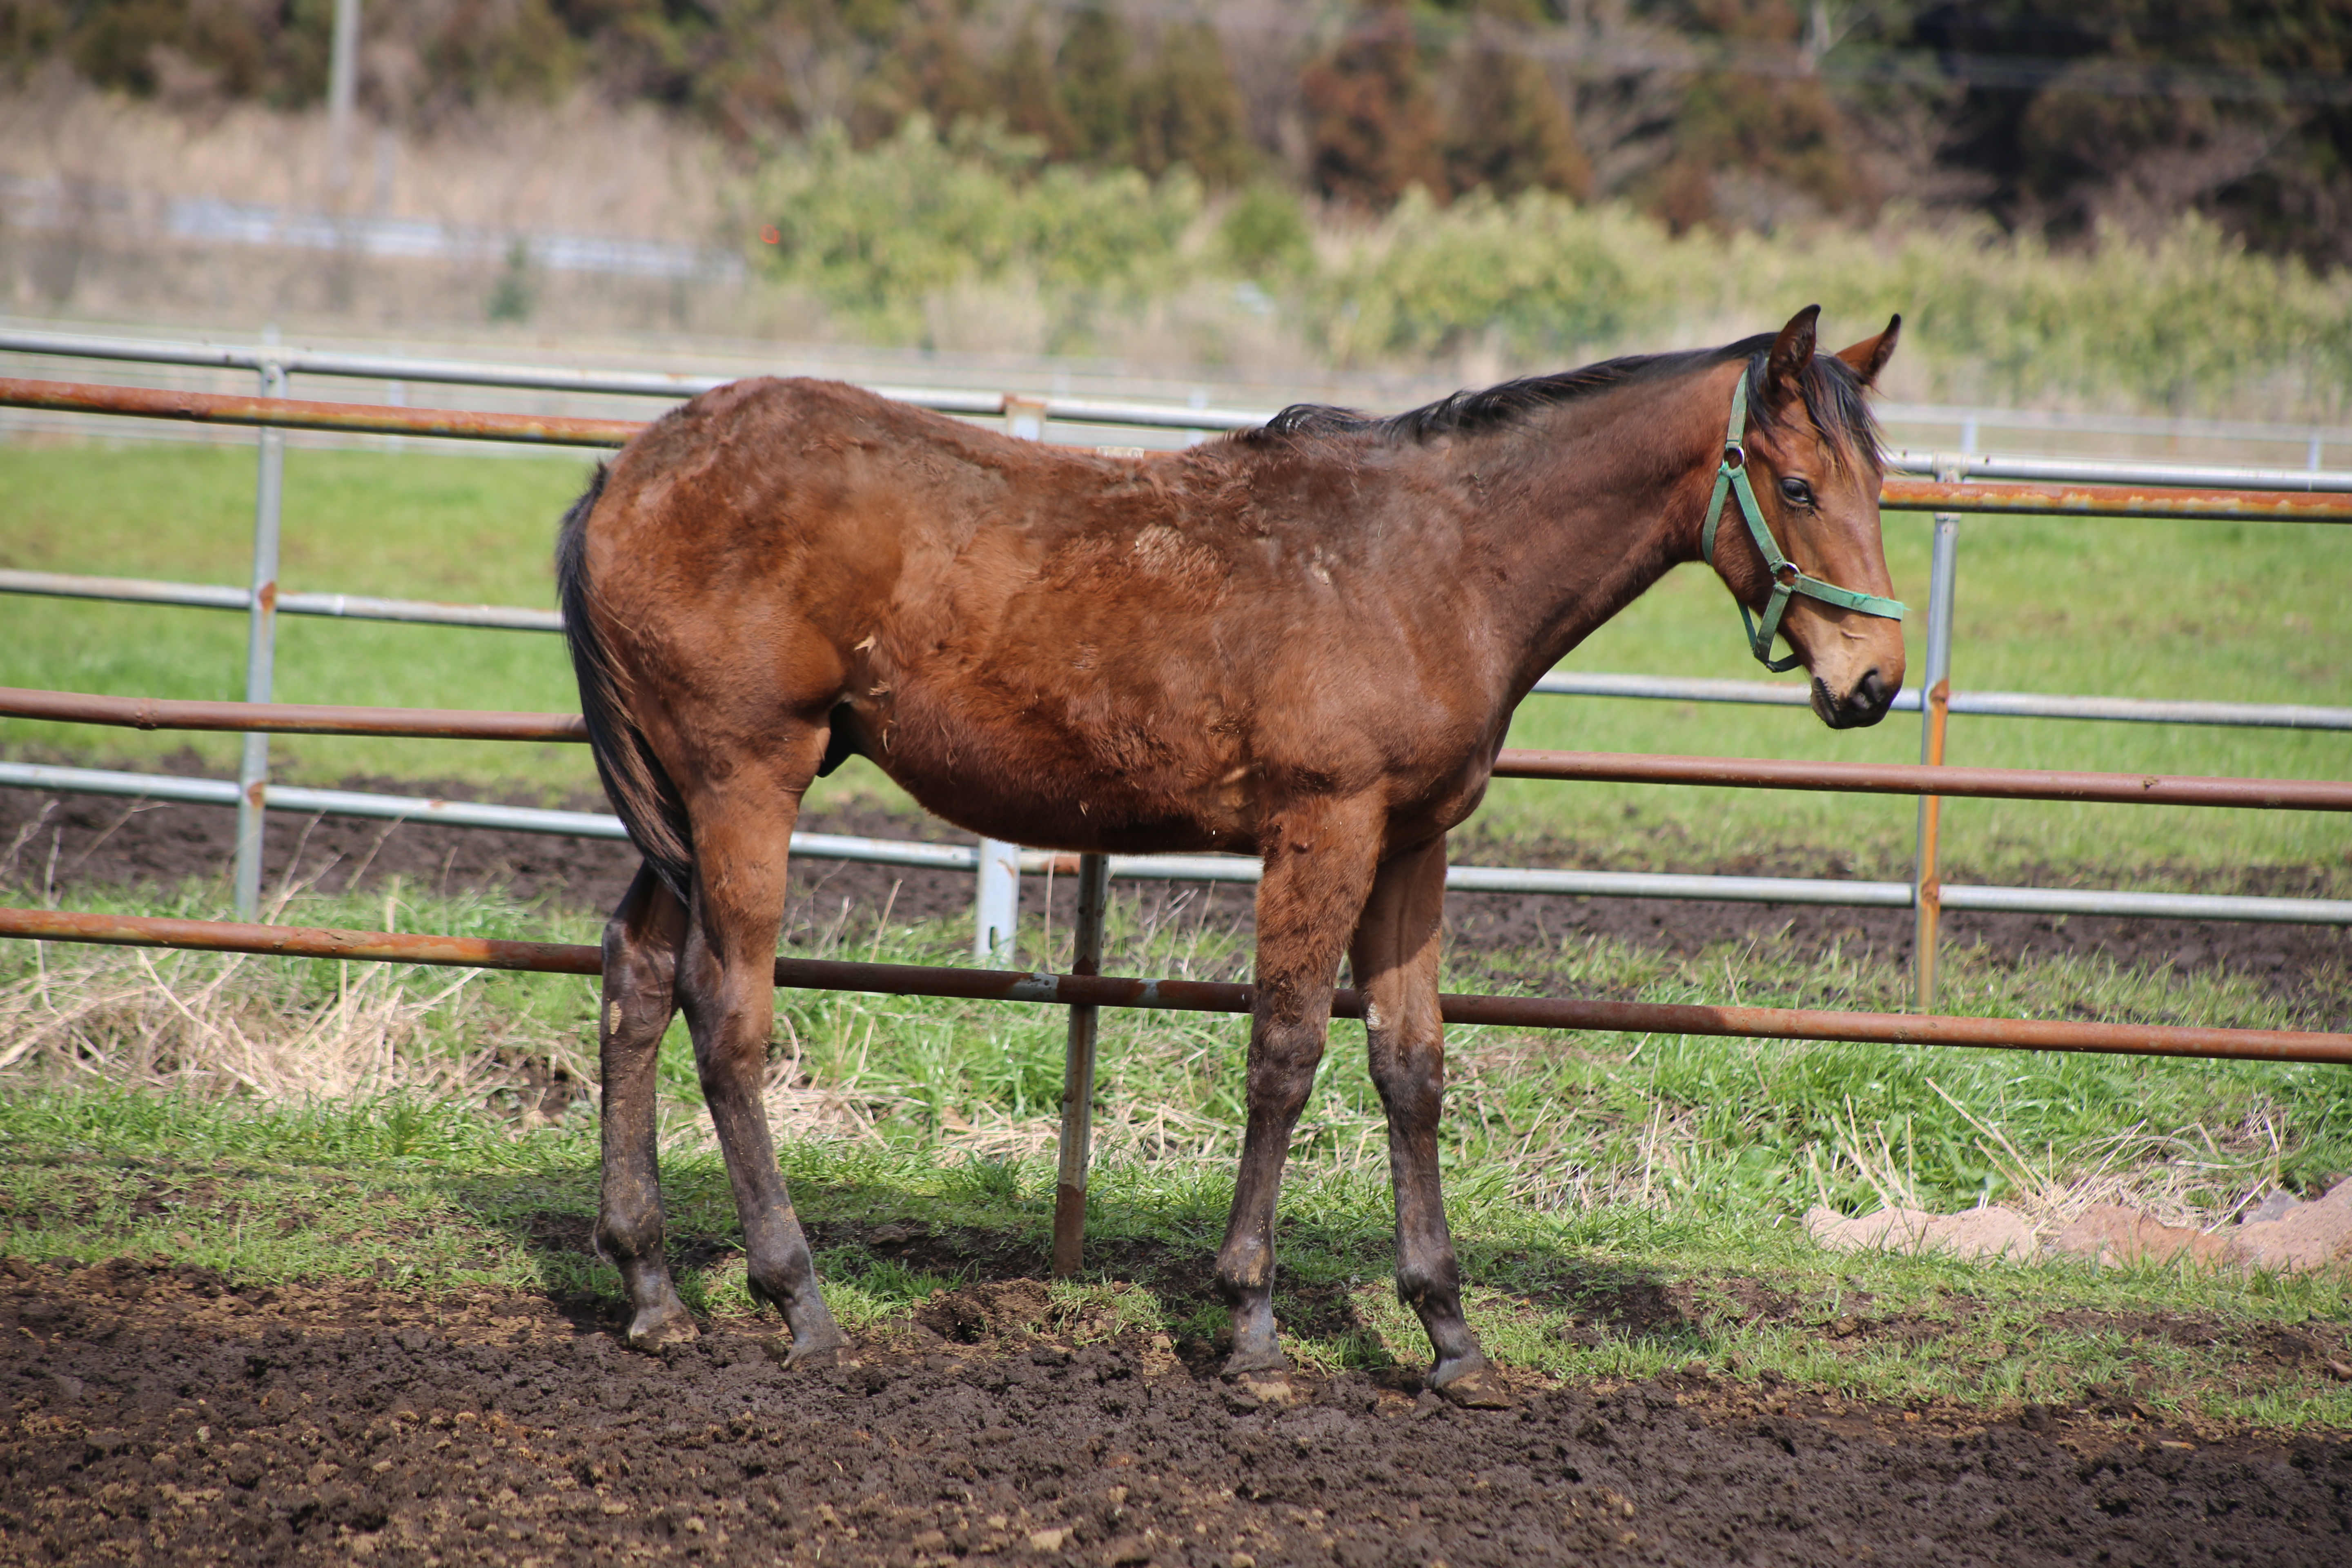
{"points": [[162, 1415], [63, 842]]}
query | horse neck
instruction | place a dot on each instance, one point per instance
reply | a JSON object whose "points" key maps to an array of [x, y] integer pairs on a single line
{"points": [[1586, 505]]}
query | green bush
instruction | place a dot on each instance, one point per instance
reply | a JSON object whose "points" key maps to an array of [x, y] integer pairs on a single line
{"points": [[876, 232]]}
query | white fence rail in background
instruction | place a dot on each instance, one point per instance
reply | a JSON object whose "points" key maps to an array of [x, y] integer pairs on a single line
{"points": [[1030, 417]]}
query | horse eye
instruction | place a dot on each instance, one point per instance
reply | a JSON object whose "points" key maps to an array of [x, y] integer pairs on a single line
{"points": [[1797, 491]]}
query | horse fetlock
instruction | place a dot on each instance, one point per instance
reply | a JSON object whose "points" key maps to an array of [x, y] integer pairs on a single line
{"points": [[1256, 1347], [1428, 1290], [802, 1307], [1243, 1272]]}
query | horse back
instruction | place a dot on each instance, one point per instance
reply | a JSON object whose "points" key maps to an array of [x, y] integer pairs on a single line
{"points": [[1109, 652]]}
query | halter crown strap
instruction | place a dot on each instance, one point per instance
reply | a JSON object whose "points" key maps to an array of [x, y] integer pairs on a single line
{"points": [[1788, 577]]}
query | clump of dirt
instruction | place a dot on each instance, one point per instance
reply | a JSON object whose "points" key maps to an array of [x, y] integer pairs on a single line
{"points": [[167, 1414], [62, 843]]}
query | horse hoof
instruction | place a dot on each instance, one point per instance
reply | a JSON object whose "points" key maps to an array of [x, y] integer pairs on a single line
{"points": [[792, 1354], [1476, 1387], [1255, 1365], [653, 1329]]}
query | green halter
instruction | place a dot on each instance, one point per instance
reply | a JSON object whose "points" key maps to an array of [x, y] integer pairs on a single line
{"points": [[1788, 577]]}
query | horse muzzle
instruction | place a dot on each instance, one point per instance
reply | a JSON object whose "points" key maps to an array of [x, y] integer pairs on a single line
{"points": [[1863, 704]]}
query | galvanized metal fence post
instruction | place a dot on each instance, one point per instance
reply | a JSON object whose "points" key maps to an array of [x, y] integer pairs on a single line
{"points": [[260, 649], [1078, 1074], [1926, 883], [996, 897]]}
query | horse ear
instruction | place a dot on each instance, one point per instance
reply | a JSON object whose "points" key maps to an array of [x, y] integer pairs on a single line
{"points": [[1792, 350], [1868, 357]]}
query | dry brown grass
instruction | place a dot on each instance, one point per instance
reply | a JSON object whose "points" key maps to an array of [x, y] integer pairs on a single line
{"points": [[581, 166]]}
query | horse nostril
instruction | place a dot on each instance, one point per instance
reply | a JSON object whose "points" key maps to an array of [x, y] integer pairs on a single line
{"points": [[1868, 701]]}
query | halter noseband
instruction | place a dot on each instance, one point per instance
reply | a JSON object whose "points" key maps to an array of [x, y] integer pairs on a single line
{"points": [[1788, 577]]}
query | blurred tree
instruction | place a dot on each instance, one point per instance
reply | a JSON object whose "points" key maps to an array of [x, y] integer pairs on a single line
{"points": [[931, 72], [2137, 110], [1372, 127], [1095, 68], [1510, 132], [1024, 86], [1779, 128], [1189, 111]]}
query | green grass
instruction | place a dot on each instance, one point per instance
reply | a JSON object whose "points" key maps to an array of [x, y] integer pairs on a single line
{"points": [[1624, 1204], [2243, 612]]}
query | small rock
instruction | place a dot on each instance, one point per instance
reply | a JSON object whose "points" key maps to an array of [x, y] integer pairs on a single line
{"points": [[890, 1235], [2274, 1205], [1977, 1233], [1048, 1540], [2308, 1235], [2340, 1372], [1128, 1551], [930, 1540], [2110, 1233]]}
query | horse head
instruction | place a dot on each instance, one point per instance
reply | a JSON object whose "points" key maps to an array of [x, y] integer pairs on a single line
{"points": [[1796, 507]]}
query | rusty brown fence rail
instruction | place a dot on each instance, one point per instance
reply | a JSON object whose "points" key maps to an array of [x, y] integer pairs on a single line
{"points": [[1213, 996], [361, 419], [1605, 767]]}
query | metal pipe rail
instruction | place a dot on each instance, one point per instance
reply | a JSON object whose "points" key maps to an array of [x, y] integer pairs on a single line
{"points": [[1212, 997], [1207, 868], [2098, 471], [300, 413], [1911, 699], [297, 414], [1104, 410], [1904, 778], [1613, 767], [1659, 687], [221, 596]]}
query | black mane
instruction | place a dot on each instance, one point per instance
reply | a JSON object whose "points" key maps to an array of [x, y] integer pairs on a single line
{"points": [[1833, 397]]}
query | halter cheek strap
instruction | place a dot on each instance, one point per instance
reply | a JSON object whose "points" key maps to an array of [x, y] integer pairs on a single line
{"points": [[1788, 578]]}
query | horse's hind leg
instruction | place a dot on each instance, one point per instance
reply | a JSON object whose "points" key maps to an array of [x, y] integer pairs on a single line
{"points": [[1318, 863], [1394, 957], [641, 951], [726, 978]]}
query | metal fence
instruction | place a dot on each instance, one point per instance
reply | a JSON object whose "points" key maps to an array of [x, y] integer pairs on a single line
{"points": [[2096, 490], [1971, 481]]}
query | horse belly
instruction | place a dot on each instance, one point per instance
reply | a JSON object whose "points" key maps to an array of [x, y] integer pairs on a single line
{"points": [[1035, 782]]}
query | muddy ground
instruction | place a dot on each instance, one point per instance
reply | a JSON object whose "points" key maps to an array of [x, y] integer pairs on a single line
{"points": [[156, 1415], [51, 845]]}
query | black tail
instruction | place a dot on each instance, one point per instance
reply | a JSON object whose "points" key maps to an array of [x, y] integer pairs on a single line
{"points": [[640, 788]]}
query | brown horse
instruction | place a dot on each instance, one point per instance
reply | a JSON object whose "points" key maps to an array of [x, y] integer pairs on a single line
{"points": [[1303, 642]]}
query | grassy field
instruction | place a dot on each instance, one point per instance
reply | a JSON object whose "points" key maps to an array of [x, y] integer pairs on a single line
{"points": [[1624, 1205], [2244, 612]]}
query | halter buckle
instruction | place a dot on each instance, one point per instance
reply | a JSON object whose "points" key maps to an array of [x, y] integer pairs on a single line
{"points": [[1735, 456]]}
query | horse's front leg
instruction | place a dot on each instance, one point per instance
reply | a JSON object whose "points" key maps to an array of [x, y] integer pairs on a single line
{"points": [[641, 949], [1319, 858], [1395, 958], [727, 979]]}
